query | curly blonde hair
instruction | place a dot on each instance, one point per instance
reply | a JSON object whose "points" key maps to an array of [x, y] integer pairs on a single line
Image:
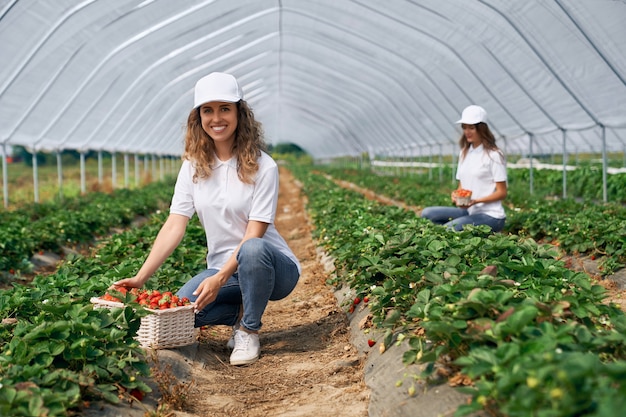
{"points": [[249, 142]]}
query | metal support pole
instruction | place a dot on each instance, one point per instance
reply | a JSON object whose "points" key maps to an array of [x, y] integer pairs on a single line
{"points": [[530, 159], [126, 168], [35, 177], [5, 176], [605, 164], [60, 174], [113, 170], [564, 134], [137, 171], [100, 173], [83, 174]]}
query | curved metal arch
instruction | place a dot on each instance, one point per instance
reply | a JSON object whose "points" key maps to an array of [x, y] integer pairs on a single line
{"points": [[121, 122], [111, 54], [543, 60], [144, 107], [344, 100], [384, 48], [449, 48], [435, 92], [399, 85], [33, 52], [591, 42]]}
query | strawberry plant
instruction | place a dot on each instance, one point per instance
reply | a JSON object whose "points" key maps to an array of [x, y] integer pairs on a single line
{"points": [[581, 226], [60, 352], [52, 225], [533, 335]]}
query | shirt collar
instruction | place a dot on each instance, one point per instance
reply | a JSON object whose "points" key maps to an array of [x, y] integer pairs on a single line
{"points": [[232, 162], [476, 149]]}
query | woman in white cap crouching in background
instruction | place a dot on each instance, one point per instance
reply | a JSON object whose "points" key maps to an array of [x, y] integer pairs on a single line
{"points": [[229, 181], [482, 170]]}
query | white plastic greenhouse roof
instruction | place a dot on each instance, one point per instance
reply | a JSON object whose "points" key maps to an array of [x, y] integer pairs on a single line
{"points": [[336, 77]]}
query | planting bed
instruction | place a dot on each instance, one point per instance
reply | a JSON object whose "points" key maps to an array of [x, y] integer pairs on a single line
{"points": [[316, 359]]}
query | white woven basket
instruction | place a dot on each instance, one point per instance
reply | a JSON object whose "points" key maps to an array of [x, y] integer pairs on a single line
{"points": [[161, 329]]}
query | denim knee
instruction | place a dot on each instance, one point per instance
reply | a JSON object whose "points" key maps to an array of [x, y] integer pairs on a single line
{"points": [[426, 213], [251, 249]]}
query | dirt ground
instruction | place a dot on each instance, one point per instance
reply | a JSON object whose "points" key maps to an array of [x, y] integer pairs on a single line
{"points": [[307, 366]]}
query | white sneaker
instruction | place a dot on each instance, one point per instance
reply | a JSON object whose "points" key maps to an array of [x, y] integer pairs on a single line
{"points": [[247, 348], [231, 342]]}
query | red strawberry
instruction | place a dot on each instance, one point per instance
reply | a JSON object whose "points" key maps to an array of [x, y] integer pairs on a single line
{"points": [[357, 300], [371, 342], [137, 393]]}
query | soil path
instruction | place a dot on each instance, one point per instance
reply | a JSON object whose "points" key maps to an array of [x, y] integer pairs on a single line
{"points": [[308, 365]]}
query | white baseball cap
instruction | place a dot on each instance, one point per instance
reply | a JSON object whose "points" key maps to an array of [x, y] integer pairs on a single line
{"points": [[217, 86], [473, 115]]}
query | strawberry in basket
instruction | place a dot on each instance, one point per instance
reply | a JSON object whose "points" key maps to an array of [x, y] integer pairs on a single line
{"points": [[170, 319], [462, 197], [152, 299]]}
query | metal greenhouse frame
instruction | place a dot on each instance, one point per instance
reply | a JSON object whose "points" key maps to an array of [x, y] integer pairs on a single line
{"points": [[337, 78]]}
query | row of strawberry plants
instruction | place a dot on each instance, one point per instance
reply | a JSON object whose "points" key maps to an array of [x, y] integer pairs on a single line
{"points": [[58, 353], [577, 227], [49, 226], [535, 337], [583, 183]]}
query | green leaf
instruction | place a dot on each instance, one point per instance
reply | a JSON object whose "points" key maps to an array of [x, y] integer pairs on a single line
{"points": [[520, 318], [453, 260]]}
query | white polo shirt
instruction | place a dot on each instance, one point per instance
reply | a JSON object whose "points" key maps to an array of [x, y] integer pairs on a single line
{"points": [[479, 172], [225, 204]]}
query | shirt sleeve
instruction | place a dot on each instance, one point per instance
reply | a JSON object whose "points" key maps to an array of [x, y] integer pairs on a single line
{"points": [[458, 166], [182, 201], [265, 197], [498, 167]]}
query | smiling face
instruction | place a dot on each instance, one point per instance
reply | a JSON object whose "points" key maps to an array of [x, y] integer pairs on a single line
{"points": [[219, 121], [471, 135]]}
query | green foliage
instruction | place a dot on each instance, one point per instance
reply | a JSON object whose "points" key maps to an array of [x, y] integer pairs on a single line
{"points": [[577, 226], [536, 337], [56, 351], [50, 226]]}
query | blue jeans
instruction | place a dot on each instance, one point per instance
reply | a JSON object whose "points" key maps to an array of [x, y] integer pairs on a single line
{"points": [[455, 218], [264, 274]]}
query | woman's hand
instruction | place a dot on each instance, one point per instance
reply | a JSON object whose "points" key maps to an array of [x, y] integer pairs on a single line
{"points": [[462, 198], [207, 292], [133, 282]]}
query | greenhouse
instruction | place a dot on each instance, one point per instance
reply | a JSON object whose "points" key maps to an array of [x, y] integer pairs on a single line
{"points": [[367, 112]]}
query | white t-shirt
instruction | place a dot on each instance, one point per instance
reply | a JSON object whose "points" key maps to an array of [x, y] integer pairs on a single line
{"points": [[479, 172], [225, 204]]}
